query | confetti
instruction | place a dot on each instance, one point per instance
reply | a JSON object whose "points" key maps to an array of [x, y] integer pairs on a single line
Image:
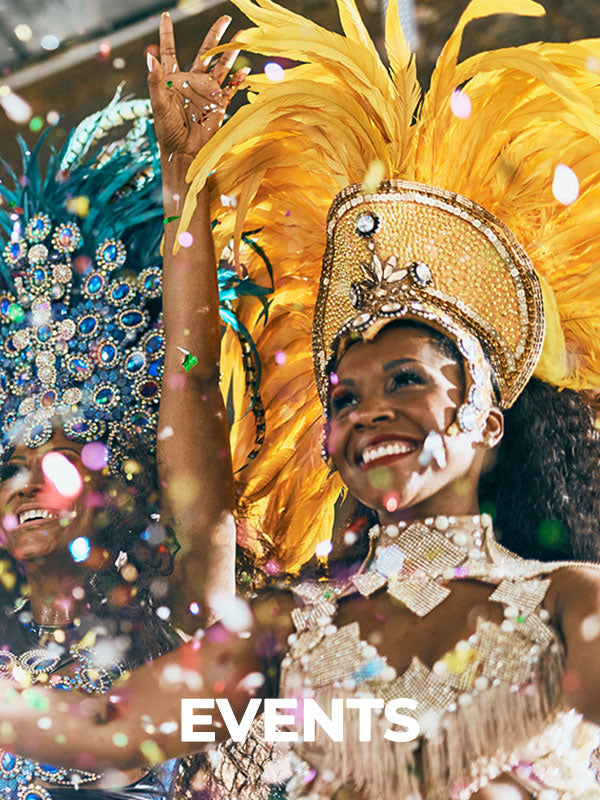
{"points": [[189, 362], [166, 220], [165, 433], [185, 239], [163, 612], [36, 124], [80, 206], [333, 379], [280, 357], [323, 549], [23, 32], [433, 450], [50, 42], [565, 186], [274, 72], [52, 117], [120, 739], [104, 49], [152, 751], [119, 63], [190, 7], [460, 104], [63, 474], [194, 608], [94, 455], [45, 723], [80, 548], [390, 502]]}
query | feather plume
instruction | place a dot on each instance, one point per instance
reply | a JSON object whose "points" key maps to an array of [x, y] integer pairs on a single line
{"points": [[298, 142]]}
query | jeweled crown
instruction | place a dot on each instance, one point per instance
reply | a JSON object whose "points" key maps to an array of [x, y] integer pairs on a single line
{"points": [[413, 251], [81, 340]]}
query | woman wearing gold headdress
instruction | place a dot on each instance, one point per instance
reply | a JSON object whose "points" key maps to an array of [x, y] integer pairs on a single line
{"points": [[457, 297]]}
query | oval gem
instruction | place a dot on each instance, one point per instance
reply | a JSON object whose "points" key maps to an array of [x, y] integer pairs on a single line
{"points": [[108, 353], [131, 318], [95, 284], [87, 325], [121, 291], [148, 390], [135, 362], [104, 396], [154, 343], [44, 333]]}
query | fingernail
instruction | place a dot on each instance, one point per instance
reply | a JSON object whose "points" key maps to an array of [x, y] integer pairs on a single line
{"points": [[149, 62], [166, 14]]}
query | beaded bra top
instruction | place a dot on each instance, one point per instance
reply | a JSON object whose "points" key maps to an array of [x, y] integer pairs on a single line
{"points": [[56, 648], [491, 705]]}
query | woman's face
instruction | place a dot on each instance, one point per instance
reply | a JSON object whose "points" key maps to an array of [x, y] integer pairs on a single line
{"points": [[390, 394], [36, 520]]}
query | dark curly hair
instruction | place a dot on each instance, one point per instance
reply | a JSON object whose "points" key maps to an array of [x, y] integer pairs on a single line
{"points": [[543, 487]]}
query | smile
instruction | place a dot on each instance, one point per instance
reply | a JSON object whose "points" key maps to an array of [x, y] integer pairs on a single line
{"points": [[374, 454], [36, 514]]}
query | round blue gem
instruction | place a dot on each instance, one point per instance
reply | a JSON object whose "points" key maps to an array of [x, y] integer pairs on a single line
{"points": [[39, 276], [59, 311], [104, 396], [95, 284], [151, 283], [154, 343], [135, 362], [108, 353], [131, 318], [79, 365], [44, 333], [121, 291], [15, 249], [110, 252], [87, 325]]}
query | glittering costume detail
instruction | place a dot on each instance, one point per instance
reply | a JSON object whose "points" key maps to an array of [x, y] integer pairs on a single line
{"points": [[80, 292], [407, 268], [489, 706], [471, 197]]}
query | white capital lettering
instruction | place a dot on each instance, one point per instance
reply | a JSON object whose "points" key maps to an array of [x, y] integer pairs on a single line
{"points": [[273, 719], [189, 720], [410, 724], [333, 726], [365, 706], [238, 731]]}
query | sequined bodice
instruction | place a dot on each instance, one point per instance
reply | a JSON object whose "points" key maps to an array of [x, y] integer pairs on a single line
{"points": [[490, 705]]}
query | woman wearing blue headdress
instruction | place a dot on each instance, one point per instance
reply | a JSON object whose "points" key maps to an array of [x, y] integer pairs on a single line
{"points": [[88, 526]]}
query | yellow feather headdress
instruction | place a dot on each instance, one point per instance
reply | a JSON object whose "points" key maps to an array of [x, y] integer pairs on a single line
{"points": [[340, 118]]}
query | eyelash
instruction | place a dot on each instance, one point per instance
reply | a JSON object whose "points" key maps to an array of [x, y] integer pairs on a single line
{"points": [[400, 379], [8, 471]]}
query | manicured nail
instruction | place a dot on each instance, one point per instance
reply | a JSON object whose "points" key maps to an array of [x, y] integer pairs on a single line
{"points": [[149, 61]]}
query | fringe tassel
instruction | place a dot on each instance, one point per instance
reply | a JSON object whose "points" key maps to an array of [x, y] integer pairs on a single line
{"points": [[469, 750]]}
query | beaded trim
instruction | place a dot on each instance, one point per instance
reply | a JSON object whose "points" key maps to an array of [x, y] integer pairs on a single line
{"points": [[91, 356], [397, 288]]}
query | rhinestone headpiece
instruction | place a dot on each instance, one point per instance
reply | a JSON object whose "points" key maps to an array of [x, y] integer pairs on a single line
{"points": [[80, 342], [411, 251]]}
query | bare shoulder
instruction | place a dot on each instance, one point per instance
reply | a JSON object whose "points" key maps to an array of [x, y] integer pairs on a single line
{"points": [[574, 587]]}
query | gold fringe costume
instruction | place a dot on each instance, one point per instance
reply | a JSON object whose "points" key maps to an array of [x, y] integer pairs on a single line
{"points": [[446, 216], [340, 118]]}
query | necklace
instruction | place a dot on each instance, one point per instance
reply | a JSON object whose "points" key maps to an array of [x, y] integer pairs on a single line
{"points": [[416, 561], [19, 777]]}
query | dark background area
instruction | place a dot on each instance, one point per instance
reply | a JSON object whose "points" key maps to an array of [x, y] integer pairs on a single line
{"points": [[100, 43]]}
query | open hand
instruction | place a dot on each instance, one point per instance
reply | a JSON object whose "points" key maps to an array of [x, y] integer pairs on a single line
{"points": [[188, 107]]}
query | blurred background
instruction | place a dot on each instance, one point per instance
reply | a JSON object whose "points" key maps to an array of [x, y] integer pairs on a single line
{"points": [[61, 60]]}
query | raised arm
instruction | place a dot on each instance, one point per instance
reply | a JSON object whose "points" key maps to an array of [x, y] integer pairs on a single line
{"points": [[193, 444]]}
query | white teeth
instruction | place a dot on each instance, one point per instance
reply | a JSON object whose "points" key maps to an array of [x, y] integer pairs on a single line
{"points": [[390, 449], [35, 513]]}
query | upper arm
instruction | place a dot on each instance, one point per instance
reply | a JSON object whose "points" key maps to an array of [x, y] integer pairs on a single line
{"points": [[574, 601]]}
